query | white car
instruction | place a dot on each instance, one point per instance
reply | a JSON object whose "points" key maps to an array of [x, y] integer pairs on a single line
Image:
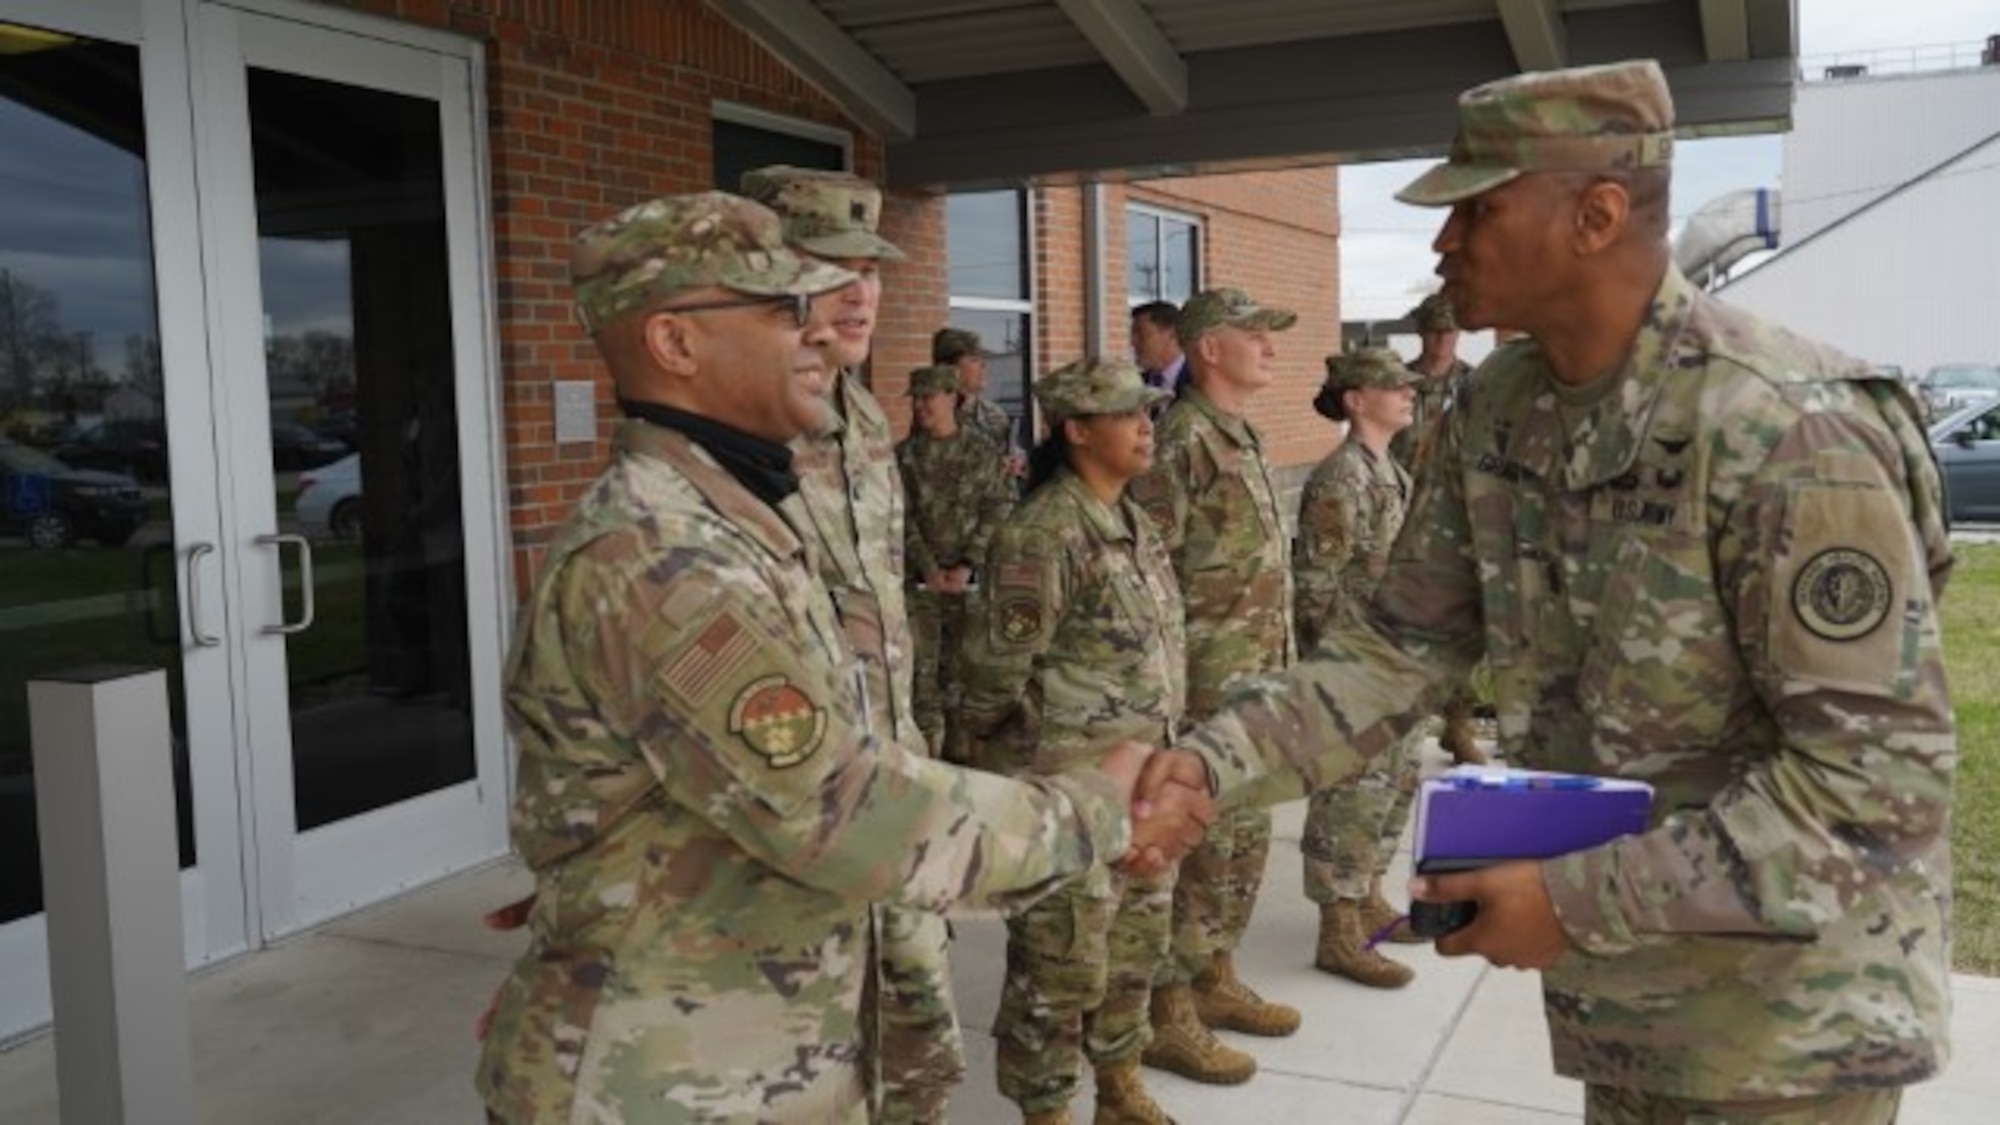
{"points": [[329, 502]]}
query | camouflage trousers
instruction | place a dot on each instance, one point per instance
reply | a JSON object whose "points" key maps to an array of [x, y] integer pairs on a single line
{"points": [[1611, 1105], [1080, 967], [1351, 830], [922, 1053], [937, 630], [1216, 892]]}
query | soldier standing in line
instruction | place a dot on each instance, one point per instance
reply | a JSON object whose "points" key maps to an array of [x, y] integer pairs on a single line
{"points": [[1443, 374], [1349, 513], [1210, 496], [701, 795], [850, 504], [961, 348], [1078, 641], [959, 494], [1705, 552]]}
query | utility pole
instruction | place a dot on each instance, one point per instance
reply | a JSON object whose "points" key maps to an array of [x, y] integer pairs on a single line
{"points": [[19, 367]]}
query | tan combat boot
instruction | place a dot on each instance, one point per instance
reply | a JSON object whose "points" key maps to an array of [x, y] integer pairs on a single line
{"points": [[1224, 1001], [1183, 1044], [1122, 1098], [1342, 949], [1057, 1116], [1377, 915], [1457, 739]]}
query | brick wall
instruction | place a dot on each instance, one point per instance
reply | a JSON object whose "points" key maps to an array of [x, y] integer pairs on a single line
{"points": [[1275, 235], [593, 105], [597, 104]]}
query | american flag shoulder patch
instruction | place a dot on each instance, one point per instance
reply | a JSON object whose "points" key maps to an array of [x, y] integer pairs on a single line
{"points": [[707, 663]]}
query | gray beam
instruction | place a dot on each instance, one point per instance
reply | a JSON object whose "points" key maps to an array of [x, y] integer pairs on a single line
{"points": [[1535, 31], [1725, 30], [1136, 48], [1355, 98], [796, 31]]}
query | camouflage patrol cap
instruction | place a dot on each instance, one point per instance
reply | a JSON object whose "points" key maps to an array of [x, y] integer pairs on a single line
{"points": [[1584, 119], [831, 214], [1369, 367], [1433, 314], [1095, 386], [648, 253], [948, 344], [937, 379], [1213, 308]]}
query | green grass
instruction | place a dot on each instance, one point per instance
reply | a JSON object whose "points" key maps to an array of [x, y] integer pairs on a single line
{"points": [[1971, 612]]}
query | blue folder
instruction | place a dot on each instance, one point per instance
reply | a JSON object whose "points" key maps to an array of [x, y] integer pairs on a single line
{"points": [[1475, 815]]}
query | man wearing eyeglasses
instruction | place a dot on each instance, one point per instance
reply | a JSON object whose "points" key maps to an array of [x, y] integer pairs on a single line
{"points": [[701, 796]]}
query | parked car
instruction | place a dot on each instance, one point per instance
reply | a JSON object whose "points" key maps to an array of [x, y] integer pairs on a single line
{"points": [[131, 446], [1967, 442], [329, 502], [296, 447], [1948, 386], [53, 505]]}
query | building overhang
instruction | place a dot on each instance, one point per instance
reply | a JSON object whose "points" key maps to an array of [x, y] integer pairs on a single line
{"points": [[971, 93]]}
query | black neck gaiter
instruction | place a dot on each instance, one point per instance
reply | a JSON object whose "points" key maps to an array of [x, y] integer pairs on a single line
{"points": [[763, 467]]}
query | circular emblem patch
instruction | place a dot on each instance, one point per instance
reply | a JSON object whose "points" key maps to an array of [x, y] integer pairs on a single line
{"points": [[777, 720], [1020, 620], [1841, 594]]}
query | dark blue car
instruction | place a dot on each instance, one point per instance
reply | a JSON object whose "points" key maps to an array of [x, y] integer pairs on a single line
{"points": [[52, 505]]}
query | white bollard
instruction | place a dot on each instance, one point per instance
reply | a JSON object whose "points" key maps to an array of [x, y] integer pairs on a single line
{"points": [[104, 786]]}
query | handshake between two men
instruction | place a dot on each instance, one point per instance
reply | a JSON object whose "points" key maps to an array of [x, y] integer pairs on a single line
{"points": [[1171, 796]]}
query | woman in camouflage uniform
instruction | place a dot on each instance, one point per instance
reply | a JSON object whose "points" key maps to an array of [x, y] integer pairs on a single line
{"points": [[1349, 513], [1077, 641]]}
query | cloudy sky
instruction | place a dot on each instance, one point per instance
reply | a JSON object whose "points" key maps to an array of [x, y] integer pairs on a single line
{"points": [[1385, 246]]}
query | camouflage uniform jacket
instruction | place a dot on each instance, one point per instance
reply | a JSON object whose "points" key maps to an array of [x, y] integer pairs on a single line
{"points": [[1349, 513], [1077, 640], [851, 498], [984, 418], [708, 818], [959, 493], [1413, 444], [1722, 580], [1210, 496]]}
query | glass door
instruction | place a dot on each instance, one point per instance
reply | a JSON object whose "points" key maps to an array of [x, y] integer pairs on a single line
{"points": [[108, 518], [247, 434], [350, 357]]}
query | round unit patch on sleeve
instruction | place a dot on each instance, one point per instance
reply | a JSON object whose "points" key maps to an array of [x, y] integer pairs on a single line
{"points": [[1020, 620], [779, 721], [1841, 594]]}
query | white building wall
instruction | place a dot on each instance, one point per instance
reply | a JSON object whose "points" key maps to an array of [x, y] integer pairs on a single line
{"points": [[1855, 139], [1911, 279]]}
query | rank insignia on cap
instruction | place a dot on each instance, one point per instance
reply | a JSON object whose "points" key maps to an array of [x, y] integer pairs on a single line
{"points": [[1841, 594], [1020, 620], [778, 720]]}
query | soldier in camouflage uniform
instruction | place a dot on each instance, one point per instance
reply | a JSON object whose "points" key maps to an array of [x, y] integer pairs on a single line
{"points": [[978, 415], [1211, 498], [1443, 373], [959, 495], [1349, 513], [1701, 551], [700, 793], [850, 504], [1079, 640]]}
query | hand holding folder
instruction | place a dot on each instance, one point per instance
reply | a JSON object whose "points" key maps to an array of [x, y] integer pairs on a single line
{"points": [[1473, 816]]}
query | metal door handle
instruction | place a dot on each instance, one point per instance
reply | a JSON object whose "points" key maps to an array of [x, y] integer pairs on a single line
{"points": [[195, 555], [284, 628]]}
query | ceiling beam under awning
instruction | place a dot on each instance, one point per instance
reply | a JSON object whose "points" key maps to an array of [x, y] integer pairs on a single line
{"points": [[830, 59], [1535, 31], [1725, 30], [1136, 49]]}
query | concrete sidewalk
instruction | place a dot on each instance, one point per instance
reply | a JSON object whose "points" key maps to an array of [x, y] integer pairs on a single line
{"points": [[368, 1022]]}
